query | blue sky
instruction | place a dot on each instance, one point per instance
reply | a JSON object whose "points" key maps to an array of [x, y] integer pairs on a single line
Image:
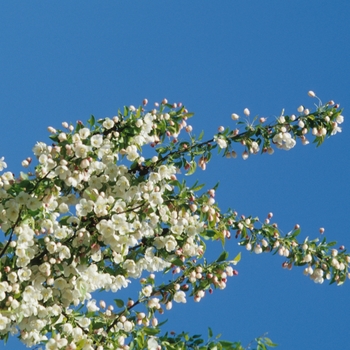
{"points": [[62, 61]]}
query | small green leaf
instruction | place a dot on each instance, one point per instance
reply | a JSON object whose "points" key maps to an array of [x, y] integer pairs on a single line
{"points": [[91, 121], [296, 232], [126, 111], [188, 115], [223, 256], [119, 302], [210, 332], [226, 344], [237, 259], [269, 342], [151, 331], [197, 188], [192, 169], [201, 135], [177, 262]]}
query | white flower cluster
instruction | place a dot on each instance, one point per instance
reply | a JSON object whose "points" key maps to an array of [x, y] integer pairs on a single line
{"points": [[283, 134], [95, 214], [82, 224]]}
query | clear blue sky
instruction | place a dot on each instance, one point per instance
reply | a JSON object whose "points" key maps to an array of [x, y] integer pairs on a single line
{"points": [[64, 60]]}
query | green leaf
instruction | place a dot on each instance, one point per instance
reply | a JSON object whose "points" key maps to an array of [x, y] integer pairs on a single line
{"points": [[196, 188], [161, 150], [296, 232], [126, 111], [177, 262], [151, 331], [237, 259], [210, 332], [188, 115], [201, 135], [221, 236], [208, 234], [216, 186], [269, 342], [54, 138], [98, 325], [91, 121], [119, 302], [138, 112], [226, 344], [192, 168], [223, 256]]}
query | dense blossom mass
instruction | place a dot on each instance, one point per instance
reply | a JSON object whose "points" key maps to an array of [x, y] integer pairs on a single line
{"points": [[106, 204]]}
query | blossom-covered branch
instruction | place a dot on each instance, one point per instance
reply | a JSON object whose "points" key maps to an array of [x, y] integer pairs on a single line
{"points": [[106, 204]]}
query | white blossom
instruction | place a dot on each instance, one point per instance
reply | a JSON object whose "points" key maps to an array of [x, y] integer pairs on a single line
{"points": [[180, 297]]}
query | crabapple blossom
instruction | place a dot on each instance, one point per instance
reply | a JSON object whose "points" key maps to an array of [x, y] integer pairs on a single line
{"points": [[107, 204], [180, 297]]}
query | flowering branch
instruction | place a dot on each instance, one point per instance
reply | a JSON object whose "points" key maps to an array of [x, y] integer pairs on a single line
{"points": [[95, 214]]}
